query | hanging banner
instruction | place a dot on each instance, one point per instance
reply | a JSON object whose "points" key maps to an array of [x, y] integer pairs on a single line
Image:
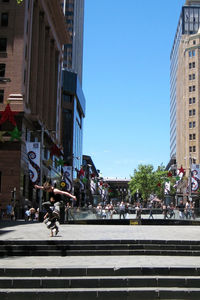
{"points": [[167, 188], [67, 177], [33, 154], [195, 177]]}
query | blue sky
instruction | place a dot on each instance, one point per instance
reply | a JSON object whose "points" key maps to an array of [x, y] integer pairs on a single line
{"points": [[126, 69]]}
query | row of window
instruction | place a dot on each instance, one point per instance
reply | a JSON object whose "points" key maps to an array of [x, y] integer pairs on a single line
{"points": [[192, 136], [192, 88], [192, 149], [192, 65], [192, 53], [3, 44], [192, 124], [192, 112], [191, 76], [192, 100], [1, 96]]}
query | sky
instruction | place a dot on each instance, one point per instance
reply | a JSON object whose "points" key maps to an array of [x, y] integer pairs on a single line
{"points": [[126, 83]]}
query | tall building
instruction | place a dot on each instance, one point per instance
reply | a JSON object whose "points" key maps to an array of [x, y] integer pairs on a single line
{"points": [[73, 100], [32, 36], [73, 51], [185, 87]]}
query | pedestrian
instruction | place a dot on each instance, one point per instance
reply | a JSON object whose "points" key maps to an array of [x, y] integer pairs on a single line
{"points": [[181, 208], [52, 206], [151, 210], [122, 210], [9, 211]]}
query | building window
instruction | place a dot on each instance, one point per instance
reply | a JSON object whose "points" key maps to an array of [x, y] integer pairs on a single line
{"points": [[194, 148], [4, 19], [194, 136], [194, 112], [194, 42], [190, 149], [2, 70], [190, 53], [66, 98], [190, 112], [193, 100], [194, 124], [190, 100], [190, 77], [193, 76], [193, 52], [190, 137], [1, 96], [190, 89], [194, 161], [190, 124], [190, 65], [3, 44], [193, 64], [193, 88]]}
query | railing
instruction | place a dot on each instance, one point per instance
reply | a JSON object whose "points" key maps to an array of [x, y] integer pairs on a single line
{"points": [[145, 213]]}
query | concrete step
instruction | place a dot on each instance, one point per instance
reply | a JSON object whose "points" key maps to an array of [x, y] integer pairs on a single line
{"points": [[82, 248], [96, 242], [99, 272], [99, 247], [100, 282], [60, 252], [100, 293]]}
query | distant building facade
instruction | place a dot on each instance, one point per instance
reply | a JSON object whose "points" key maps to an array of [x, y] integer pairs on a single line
{"points": [[73, 100], [32, 36], [185, 91]]}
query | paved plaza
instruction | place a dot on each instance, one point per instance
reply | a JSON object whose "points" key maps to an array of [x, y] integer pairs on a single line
{"points": [[38, 231]]}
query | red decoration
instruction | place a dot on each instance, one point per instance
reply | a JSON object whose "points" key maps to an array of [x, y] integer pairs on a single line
{"points": [[7, 114], [81, 172], [55, 151], [159, 184], [169, 174], [181, 170], [101, 183]]}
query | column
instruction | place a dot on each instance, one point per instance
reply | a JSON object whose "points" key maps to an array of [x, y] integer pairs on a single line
{"points": [[46, 75], [34, 59], [41, 65]]}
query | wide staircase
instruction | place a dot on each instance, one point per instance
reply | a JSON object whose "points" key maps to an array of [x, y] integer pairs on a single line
{"points": [[99, 283], [98, 247]]}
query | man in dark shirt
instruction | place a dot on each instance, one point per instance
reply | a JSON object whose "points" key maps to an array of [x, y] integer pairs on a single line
{"points": [[181, 208]]}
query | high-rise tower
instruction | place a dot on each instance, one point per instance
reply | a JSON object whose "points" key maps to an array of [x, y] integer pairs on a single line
{"points": [[185, 87], [73, 100]]}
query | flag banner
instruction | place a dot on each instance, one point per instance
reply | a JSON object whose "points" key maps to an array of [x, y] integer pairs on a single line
{"points": [[195, 177], [33, 154], [167, 188], [93, 187], [67, 177]]}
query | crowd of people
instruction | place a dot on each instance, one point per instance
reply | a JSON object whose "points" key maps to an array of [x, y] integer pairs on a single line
{"points": [[104, 210], [124, 210]]}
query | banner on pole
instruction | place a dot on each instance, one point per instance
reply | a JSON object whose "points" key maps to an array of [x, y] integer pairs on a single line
{"points": [[67, 177], [195, 177], [33, 154]]}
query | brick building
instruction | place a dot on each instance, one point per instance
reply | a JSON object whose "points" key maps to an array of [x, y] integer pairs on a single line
{"points": [[32, 35]]}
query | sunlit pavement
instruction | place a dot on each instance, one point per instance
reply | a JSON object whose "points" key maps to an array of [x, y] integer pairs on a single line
{"points": [[38, 231]]}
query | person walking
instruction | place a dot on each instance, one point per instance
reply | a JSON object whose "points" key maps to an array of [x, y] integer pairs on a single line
{"points": [[122, 210]]}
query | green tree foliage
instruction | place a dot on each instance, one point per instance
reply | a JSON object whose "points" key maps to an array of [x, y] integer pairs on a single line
{"points": [[149, 181]]}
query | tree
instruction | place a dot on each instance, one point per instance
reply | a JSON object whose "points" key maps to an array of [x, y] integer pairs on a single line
{"points": [[147, 181]]}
